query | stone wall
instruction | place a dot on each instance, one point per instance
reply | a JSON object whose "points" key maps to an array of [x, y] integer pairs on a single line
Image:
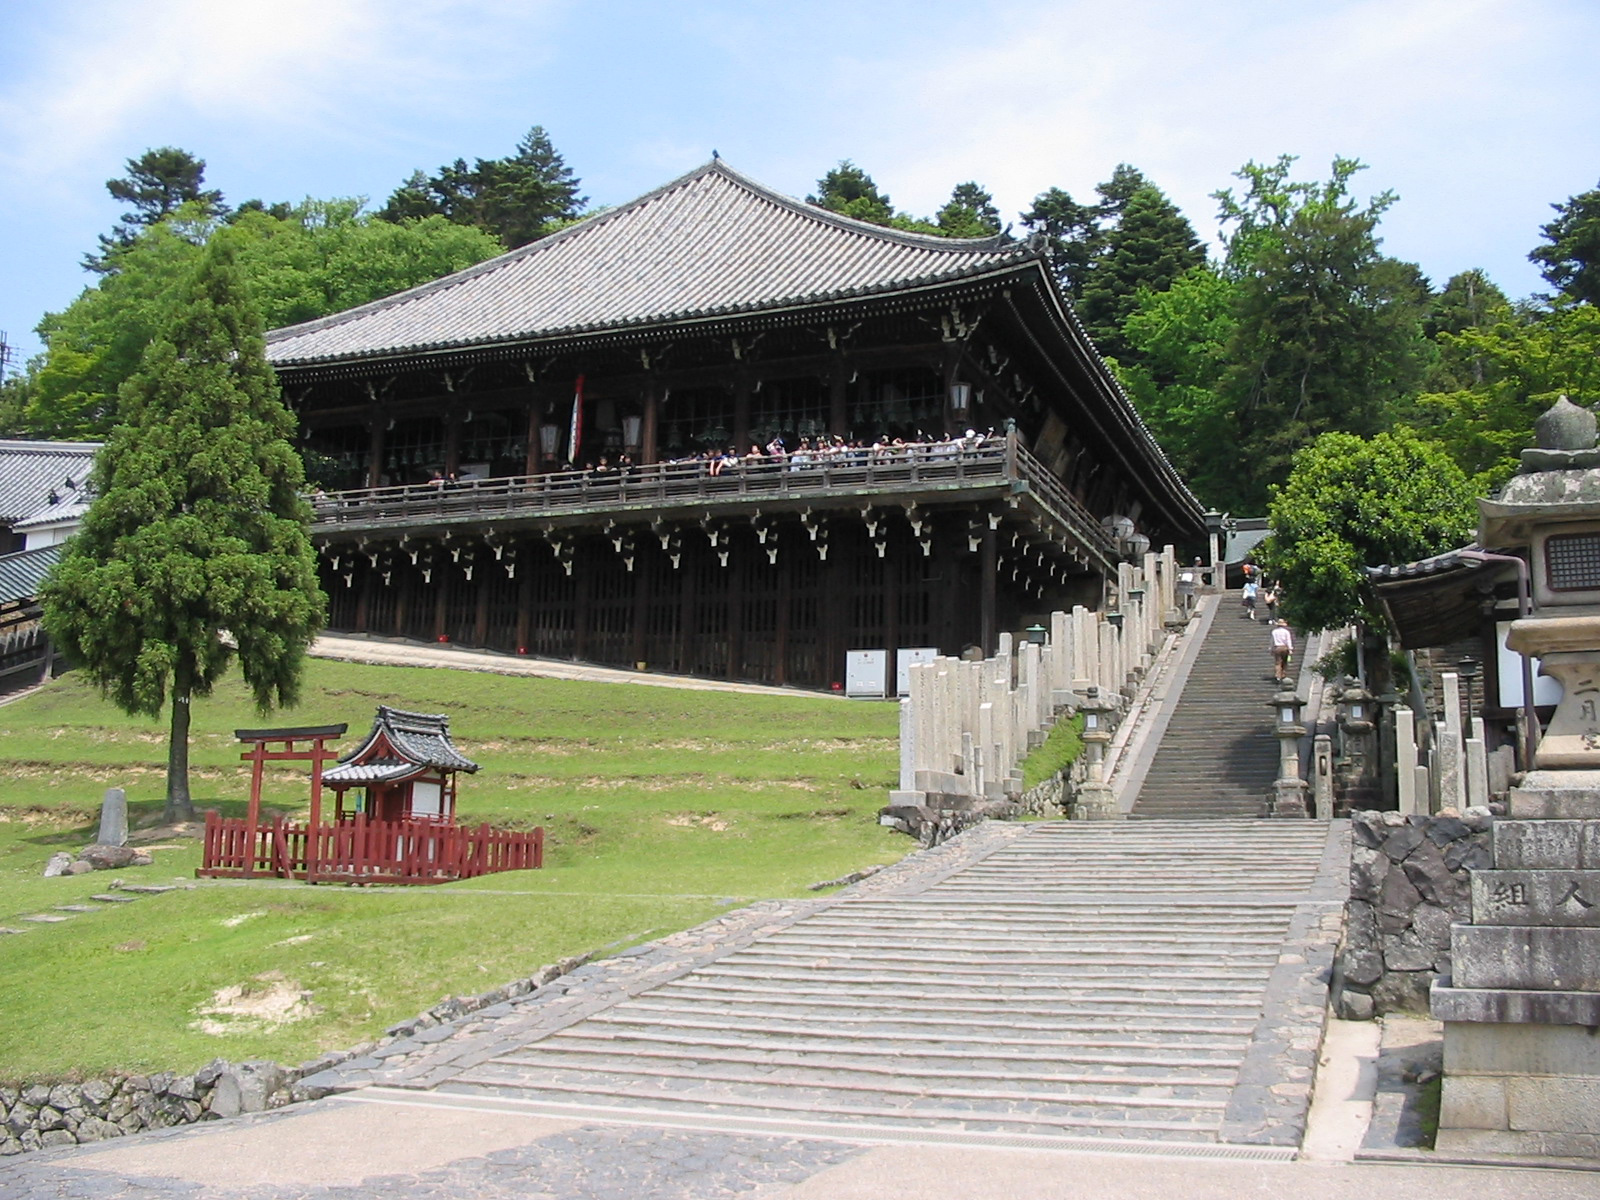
{"points": [[39, 1115], [1408, 882]]}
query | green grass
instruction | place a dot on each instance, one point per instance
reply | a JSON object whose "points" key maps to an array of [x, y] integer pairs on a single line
{"points": [[1059, 751], [662, 807]]}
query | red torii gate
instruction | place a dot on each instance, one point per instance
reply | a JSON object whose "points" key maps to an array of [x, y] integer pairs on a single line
{"points": [[262, 752]]}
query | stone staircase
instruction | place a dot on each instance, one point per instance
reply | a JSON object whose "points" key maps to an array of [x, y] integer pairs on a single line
{"points": [[1084, 980], [1219, 756]]}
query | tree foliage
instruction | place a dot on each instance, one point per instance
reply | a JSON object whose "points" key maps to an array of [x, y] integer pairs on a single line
{"points": [[324, 257], [1353, 502], [851, 192], [195, 549], [969, 213], [1148, 248], [518, 199], [1571, 259], [158, 183]]}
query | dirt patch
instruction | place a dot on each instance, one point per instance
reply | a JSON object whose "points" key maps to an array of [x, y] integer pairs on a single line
{"points": [[265, 1002], [709, 821], [39, 815]]}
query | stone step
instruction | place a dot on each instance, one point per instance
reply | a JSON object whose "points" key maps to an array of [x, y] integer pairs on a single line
{"points": [[45, 918], [74, 908], [1091, 1047], [731, 1084], [581, 1055], [112, 898], [930, 1118]]}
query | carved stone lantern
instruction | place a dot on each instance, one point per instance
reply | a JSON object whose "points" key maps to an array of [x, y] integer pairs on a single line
{"points": [[1288, 797], [1094, 801]]}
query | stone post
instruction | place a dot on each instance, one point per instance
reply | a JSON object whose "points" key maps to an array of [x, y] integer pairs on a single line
{"points": [[1405, 759], [1322, 776], [113, 818], [1447, 762]]}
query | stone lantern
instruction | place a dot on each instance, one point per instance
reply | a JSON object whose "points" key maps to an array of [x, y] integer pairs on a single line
{"points": [[1357, 726], [1522, 1064], [1095, 801], [1289, 792]]}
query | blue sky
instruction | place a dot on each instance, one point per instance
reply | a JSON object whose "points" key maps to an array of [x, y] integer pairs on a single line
{"points": [[1479, 113]]}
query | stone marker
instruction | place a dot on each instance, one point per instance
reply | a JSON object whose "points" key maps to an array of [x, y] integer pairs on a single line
{"points": [[113, 818]]}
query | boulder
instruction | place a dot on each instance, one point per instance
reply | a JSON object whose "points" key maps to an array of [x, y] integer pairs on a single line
{"points": [[59, 864], [101, 857], [246, 1087]]}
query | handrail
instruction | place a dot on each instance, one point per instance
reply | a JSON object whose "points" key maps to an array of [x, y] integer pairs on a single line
{"points": [[990, 460]]}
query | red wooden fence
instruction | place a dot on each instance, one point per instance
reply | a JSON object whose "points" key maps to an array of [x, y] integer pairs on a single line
{"points": [[363, 851]]}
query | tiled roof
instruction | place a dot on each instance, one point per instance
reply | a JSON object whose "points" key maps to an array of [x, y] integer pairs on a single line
{"points": [[31, 471], [22, 573], [711, 243], [420, 739]]}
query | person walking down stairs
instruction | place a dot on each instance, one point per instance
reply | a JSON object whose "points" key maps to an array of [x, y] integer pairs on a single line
{"points": [[1282, 649]]}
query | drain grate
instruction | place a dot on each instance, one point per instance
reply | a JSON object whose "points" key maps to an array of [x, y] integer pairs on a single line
{"points": [[788, 1127]]}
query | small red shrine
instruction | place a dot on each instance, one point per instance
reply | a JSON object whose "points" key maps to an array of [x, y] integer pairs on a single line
{"points": [[400, 827], [406, 769]]}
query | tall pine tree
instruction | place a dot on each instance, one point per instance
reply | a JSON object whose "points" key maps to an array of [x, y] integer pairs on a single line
{"points": [[1150, 246], [195, 550]]}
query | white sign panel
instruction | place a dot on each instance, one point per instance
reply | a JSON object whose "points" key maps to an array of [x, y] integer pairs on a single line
{"points": [[1546, 690], [866, 672], [903, 660]]}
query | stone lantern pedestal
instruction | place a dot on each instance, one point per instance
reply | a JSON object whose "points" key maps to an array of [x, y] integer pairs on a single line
{"points": [[1095, 800]]}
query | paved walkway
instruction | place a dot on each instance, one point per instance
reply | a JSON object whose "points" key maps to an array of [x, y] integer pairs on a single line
{"points": [[1044, 1010], [398, 653]]}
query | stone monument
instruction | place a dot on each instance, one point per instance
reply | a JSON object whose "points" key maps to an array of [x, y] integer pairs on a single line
{"points": [[1520, 1010], [113, 818]]}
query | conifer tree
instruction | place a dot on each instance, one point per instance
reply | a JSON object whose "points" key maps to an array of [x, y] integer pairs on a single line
{"points": [[195, 550]]}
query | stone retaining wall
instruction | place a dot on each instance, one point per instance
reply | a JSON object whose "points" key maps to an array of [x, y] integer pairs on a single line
{"points": [[1408, 882], [39, 1115]]}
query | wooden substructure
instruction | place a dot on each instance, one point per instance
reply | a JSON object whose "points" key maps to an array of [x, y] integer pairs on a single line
{"points": [[364, 852], [767, 575]]}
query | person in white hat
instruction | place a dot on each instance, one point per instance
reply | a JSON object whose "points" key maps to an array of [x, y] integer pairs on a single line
{"points": [[1282, 649]]}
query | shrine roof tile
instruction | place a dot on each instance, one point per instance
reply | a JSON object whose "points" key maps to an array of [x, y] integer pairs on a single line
{"points": [[420, 739], [710, 243]]}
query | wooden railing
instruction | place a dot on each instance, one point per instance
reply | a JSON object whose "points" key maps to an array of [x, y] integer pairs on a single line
{"points": [[940, 466], [363, 851]]}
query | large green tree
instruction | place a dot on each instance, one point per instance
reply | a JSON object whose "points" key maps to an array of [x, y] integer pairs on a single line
{"points": [[158, 183], [1571, 256], [195, 550], [969, 213], [850, 191], [323, 257], [1329, 331], [1353, 502], [1148, 248], [518, 199]]}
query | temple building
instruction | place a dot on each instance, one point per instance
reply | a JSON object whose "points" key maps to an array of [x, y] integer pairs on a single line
{"points": [[919, 445]]}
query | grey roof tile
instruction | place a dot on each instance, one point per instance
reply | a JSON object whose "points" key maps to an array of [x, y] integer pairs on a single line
{"points": [[712, 242], [420, 739], [31, 471], [22, 573]]}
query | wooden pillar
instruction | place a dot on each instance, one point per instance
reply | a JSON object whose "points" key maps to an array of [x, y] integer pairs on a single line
{"points": [[441, 602], [402, 603], [989, 572], [525, 600], [452, 442], [734, 576], [892, 567], [780, 669], [480, 618], [650, 423], [582, 602], [364, 601], [378, 425], [535, 411], [838, 409], [947, 375], [636, 639], [741, 413]]}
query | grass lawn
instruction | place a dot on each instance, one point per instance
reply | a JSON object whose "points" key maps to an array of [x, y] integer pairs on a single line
{"points": [[661, 808]]}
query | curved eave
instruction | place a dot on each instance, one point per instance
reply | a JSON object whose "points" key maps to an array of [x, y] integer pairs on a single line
{"points": [[1126, 434], [650, 329]]}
